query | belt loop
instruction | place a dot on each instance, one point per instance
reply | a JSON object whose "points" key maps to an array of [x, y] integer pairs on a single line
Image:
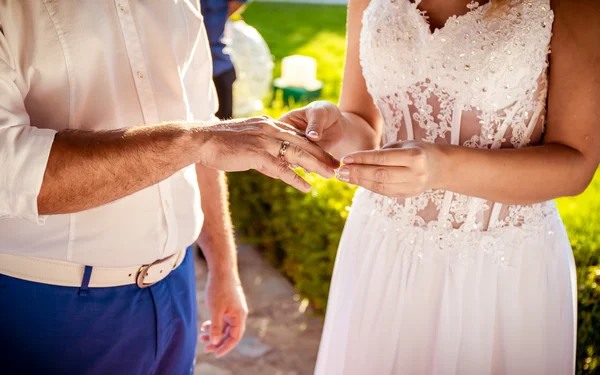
{"points": [[87, 275]]}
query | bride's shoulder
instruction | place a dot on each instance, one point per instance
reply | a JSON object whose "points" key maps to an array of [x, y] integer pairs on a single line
{"points": [[577, 11], [577, 23]]}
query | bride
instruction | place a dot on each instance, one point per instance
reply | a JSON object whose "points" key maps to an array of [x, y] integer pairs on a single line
{"points": [[454, 259]]}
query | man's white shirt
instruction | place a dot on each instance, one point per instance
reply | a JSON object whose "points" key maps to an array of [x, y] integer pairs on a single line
{"points": [[98, 65]]}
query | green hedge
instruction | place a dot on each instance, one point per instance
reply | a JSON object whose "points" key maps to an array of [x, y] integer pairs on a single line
{"points": [[581, 216], [299, 234]]}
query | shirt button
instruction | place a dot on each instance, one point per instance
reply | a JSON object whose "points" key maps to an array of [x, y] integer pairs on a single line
{"points": [[166, 204], [121, 8], [140, 74]]}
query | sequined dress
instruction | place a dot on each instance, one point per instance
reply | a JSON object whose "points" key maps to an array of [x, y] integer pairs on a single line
{"points": [[444, 283]]}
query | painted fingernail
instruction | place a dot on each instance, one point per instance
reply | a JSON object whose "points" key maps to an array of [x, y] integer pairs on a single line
{"points": [[313, 134], [347, 159], [343, 174]]}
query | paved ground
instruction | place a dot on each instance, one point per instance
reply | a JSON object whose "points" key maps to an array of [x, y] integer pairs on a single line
{"points": [[282, 337]]}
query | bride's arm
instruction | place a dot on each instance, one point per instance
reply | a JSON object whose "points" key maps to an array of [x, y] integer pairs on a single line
{"points": [[356, 125], [364, 120], [563, 165]]}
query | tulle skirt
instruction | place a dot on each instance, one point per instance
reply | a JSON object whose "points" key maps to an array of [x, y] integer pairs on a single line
{"points": [[413, 301]]}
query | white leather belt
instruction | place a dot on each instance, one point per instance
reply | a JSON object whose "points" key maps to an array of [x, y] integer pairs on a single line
{"points": [[55, 272]]}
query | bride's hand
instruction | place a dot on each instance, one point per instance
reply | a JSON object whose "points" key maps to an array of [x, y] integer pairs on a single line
{"points": [[321, 121], [401, 169]]}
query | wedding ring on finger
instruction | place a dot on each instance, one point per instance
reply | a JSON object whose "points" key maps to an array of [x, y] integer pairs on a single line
{"points": [[283, 149]]}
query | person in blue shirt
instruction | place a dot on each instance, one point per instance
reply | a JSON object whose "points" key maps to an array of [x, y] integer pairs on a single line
{"points": [[216, 13]]}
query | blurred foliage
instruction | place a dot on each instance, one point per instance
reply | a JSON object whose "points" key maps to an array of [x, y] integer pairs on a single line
{"points": [[588, 335], [299, 233], [581, 216]]}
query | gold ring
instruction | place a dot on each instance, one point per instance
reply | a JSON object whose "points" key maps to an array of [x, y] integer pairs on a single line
{"points": [[283, 149]]}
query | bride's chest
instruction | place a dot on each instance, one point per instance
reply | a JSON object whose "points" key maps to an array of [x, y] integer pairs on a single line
{"points": [[483, 60]]}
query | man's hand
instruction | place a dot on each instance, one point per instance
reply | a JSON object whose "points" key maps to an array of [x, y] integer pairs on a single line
{"points": [[227, 304], [321, 121], [112, 164], [255, 143]]}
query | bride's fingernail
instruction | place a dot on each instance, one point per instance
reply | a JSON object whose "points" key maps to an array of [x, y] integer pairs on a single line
{"points": [[343, 174], [313, 134], [347, 159]]}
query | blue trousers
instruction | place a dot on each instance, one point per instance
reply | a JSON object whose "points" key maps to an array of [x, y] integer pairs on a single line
{"points": [[48, 329]]}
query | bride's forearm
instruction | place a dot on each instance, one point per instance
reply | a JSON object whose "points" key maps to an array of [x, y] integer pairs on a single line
{"points": [[516, 176], [358, 135]]}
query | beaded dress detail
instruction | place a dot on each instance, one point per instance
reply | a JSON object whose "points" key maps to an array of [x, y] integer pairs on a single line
{"points": [[472, 83]]}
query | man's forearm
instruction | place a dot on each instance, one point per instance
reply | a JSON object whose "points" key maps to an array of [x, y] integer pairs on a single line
{"points": [[89, 169], [216, 239]]}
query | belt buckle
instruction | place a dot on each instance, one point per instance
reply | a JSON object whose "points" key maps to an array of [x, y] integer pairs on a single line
{"points": [[143, 272]]}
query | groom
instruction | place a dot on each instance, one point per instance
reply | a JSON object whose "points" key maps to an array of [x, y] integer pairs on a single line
{"points": [[99, 187]]}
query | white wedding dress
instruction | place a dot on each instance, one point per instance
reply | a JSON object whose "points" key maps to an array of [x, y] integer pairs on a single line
{"points": [[444, 283]]}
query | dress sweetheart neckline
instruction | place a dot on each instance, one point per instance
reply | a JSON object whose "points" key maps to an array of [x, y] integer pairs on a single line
{"points": [[473, 7]]}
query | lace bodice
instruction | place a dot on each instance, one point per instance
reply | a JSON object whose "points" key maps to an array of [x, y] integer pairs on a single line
{"points": [[479, 81]]}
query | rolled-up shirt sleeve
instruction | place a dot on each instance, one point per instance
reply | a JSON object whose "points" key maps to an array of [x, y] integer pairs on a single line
{"points": [[24, 149]]}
